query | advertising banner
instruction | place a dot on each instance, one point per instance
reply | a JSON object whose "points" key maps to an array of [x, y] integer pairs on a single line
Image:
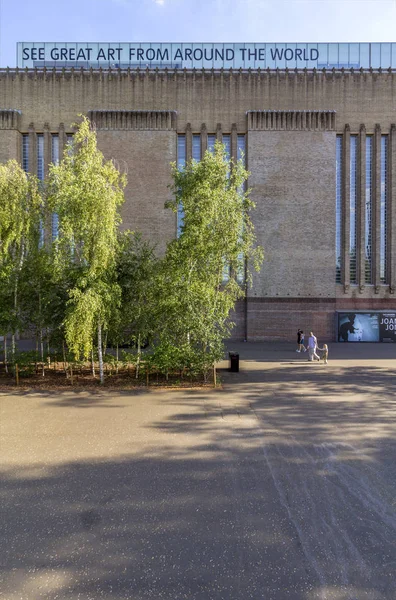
{"points": [[367, 327], [387, 327]]}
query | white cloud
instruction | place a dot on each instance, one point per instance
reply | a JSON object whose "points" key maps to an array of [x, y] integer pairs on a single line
{"points": [[160, 2]]}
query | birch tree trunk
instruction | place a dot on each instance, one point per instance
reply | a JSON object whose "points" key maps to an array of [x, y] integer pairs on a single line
{"points": [[138, 358], [15, 308], [100, 354], [13, 346], [105, 345], [16, 297], [41, 340], [41, 332], [93, 363]]}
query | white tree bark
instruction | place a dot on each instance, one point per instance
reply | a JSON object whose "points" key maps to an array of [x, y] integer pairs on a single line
{"points": [[138, 358], [93, 363], [100, 354]]}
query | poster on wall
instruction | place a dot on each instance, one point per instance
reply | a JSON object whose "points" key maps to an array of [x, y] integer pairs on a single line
{"points": [[387, 325], [358, 327], [367, 327]]}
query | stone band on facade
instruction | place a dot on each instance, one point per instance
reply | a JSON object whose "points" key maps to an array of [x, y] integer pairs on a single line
{"points": [[291, 120], [9, 119], [134, 119]]}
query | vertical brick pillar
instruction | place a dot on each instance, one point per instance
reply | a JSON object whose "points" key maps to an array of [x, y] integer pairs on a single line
{"points": [[47, 149], [204, 139], [234, 142], [376, 206], [391, 199], [47, 224], [346, 153], [188, 142], [361, 207], [32, 149], [62, 140], [219, 133]]}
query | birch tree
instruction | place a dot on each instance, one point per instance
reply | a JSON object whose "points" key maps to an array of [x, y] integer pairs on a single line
{"points": [[20, 213], [217, 235], [86, 191], [137, 269], [42, 297]]}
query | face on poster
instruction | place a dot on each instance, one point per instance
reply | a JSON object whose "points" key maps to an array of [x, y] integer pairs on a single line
{"points": [[358, 327]]}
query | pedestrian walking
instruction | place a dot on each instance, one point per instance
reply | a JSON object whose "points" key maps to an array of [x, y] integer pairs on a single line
{"points": [[303, 348], [299, 332], [300, 341], [312, 346], [325, 351]]}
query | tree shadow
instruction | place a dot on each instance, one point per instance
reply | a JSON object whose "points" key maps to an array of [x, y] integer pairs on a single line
{"points": [[271, 489], [220, 520]]}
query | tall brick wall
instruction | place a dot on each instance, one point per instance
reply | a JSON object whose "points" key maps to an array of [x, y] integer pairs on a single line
{"points": [[201, 96], [290, 119], [293, 185], [9, 145], [279, 318], [9, 134], [145, 157]]}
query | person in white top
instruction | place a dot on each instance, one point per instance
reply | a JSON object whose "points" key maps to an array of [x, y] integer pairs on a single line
{"points": [[312, 345], [325, 351]]}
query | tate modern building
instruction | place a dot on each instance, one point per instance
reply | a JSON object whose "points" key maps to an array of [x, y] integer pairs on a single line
{"points": [[315, 124]]}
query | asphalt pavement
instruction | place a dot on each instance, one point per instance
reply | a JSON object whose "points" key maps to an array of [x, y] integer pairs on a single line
{"points": [[281, 485]]}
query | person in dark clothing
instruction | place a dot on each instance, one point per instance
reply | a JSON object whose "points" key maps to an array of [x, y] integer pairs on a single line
{"points": [[300, 341]]}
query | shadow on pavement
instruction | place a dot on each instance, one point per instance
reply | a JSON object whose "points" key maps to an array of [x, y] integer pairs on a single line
{"points": [[281, 486]]}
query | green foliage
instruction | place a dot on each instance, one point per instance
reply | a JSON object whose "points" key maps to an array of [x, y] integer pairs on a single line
{"points": [[19, 209], [129, 358], [170, 358], [136, 272], [42, 299], [20, 214], [26, 362], [167, 358], [216, 233], [86, 192], [92, 279]]}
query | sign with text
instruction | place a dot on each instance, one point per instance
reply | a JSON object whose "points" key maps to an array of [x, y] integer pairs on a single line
{"points": [[367, 327], [203, 55]]}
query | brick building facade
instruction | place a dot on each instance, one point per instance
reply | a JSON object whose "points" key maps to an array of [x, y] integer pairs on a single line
{"points": [[320, 146]]}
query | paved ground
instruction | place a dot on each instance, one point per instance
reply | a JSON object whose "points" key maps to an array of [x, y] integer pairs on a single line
{"points": [[280, 486]]}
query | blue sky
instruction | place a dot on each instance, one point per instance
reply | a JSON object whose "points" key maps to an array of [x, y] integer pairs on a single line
{"points": [[193, 21]]}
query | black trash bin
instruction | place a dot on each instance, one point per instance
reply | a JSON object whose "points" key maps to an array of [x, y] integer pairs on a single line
{"points": [[234, 362]]}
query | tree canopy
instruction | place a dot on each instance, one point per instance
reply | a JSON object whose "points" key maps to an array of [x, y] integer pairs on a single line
{"points": [[86, 191], [88, 279], [206, 269]]}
